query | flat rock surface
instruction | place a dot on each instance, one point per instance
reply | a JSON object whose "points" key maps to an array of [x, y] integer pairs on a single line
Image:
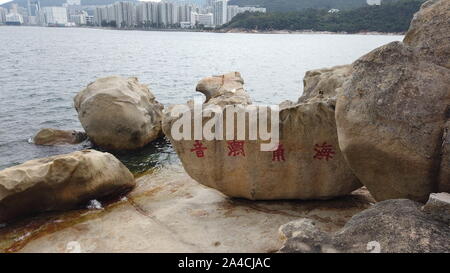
{"points": [[170, 212]]}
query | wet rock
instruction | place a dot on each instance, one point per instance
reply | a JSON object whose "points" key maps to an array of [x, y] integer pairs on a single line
{"points": [[393, 114], [392, 226], [60, 182], [307, 163], [170, 212], [50, 136], [119, 113]]}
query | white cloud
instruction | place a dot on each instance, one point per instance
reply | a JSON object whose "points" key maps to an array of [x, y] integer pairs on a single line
{"points": [[4, 1]]}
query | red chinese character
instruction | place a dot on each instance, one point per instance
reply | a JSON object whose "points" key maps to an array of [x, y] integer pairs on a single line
{"points": [[199, 149], [236, 148], [278, 154], [324, 151]]}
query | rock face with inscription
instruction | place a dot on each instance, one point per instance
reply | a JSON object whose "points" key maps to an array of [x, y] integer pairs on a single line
{"points": [[393, 116], [392, 226], [306, 163], [119, 113], [60, 182]]}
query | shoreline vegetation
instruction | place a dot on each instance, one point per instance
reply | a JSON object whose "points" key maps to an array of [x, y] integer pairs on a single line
{"points": [[387, 18]]}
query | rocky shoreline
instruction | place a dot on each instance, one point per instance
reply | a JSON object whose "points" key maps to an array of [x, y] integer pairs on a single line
{"points": [[286, 31], [245, 31], [362, 165]]}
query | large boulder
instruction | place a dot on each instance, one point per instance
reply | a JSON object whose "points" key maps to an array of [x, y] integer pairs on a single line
{"points": [[60, 182], [48, 136], [307, 163], [394, 112], [119, 113], [392, 226], [429, 32]]}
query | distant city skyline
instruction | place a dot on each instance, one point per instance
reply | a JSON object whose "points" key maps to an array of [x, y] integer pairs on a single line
{"points": [[6, 1]]}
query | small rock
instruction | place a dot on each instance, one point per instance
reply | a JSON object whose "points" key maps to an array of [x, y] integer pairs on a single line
{"points": [[438, 206], [50, 136]]}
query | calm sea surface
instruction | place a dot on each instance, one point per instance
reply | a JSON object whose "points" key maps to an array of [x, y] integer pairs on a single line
{"points": [[41, 70]]}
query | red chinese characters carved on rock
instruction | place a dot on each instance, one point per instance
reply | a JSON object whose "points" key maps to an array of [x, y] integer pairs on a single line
{"points": [[324, 151], [199, 149], [236, 148], [278, 154]]}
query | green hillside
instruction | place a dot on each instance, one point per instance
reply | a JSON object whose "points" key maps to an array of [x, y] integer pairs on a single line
{"points": [[389, 17]]}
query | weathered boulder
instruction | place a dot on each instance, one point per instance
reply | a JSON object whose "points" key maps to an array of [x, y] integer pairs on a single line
{"points": [[307, 163], [119, 113], [390, 226], [324, 84], [429, 32], [224, 89], [60, 182], [394, 111], [48, 136]]}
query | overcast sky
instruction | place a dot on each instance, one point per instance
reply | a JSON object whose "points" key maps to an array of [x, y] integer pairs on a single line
{"points": [[6, 1]]}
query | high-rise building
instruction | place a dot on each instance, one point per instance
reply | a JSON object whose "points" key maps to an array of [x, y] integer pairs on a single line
{"points": [[100, 15], [3, 13], [54, 16], [78, 17], [220, 12], [184, 13], [202, 19], [174, 18], [33, 7], [147, 14], [231, 12], [162, 15], [127, 12]]}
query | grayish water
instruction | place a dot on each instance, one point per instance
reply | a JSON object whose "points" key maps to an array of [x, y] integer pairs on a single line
{"points": [[41, 70]]}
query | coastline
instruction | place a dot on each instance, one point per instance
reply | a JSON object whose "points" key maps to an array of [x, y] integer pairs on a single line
{"points": [[233, 30], [285, 31]]}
